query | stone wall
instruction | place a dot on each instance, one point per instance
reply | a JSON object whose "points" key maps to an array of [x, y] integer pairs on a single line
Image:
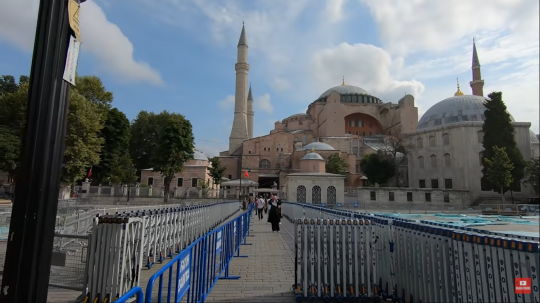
{"points": [[322, 180], [413, 195]]}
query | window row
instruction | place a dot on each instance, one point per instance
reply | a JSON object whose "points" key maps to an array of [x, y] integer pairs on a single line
{"points": [[268, 149], [179, 182], [391, 197], [358, 123], [433, 141], [316, 198], [363, 133], [448, 184], [359, 99], [447, 161]]}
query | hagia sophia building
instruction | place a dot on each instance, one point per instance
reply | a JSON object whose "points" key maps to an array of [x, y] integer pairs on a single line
{"points": [[445, 144]]}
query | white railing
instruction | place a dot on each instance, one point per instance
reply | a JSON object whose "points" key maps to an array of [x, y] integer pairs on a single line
{"points": [[123, 243], [341, 254]]}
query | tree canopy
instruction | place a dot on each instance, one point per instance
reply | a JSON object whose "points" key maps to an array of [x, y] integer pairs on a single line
{"points": [[396, 147], [499, 169], [144, 139], [532, 174], [499, 131], [337, 165], [378, 168], [217, 170]]}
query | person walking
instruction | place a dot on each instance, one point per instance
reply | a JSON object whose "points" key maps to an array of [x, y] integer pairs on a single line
{"points": [[273, 217], [260, 206], [269, 206]]}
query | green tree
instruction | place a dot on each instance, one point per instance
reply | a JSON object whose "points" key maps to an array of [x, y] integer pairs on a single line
{"points": [[499, 169], [378, 168], [337, 165], [216, 171], [499, 131], [396, 146], [114, 159], [91, 88], [532, 174], [122, 170], [175, 147], [145, 138], [10, 147], [7, 85]]}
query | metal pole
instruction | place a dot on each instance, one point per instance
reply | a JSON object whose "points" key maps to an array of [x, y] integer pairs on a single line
{"points": [[31, 234]]}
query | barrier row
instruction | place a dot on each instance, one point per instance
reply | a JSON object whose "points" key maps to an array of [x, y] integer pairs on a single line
{"points": [[196, 269], [343, 254], [123, 243]]}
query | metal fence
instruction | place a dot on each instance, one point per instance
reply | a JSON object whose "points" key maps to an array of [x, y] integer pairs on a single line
{"points": [[122, 244], [69, 262], [343, 254]]}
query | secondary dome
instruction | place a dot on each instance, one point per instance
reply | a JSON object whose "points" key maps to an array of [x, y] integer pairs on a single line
{"points": [[318, 146], [199, 156], [313, 156], [534, 139], [454, 110], [345, 90]]}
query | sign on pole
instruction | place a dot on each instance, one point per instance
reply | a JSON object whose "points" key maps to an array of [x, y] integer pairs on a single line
{"points": [[73, 11], [71, 60]]}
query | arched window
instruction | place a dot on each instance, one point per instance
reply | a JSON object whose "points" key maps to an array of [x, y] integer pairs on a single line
{"points": [[433, 160], [301, 194], [480, 136], [370, 134], [316, 194], [421, 162], [480, 156], [432, 141], [314, 167], [446, 139], [419, 143], [363, 134], [304, 139], [331, 195], [264, 164], [295, 139], [447, 160]]}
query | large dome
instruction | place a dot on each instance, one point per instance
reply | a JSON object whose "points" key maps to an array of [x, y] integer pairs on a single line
{"points": [[318, 146], [199, 156], [454, 110], [345, 90]]}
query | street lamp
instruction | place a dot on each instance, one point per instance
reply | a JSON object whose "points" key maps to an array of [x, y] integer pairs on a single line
{"points": [[129, 169]]}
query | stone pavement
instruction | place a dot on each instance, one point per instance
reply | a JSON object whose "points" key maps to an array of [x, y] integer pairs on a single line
{"points": [[267, 274]]}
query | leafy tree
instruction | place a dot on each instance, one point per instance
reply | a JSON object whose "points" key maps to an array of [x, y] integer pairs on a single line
{"points": [[145, 138], [337, 165], [7, 85], [114, 160], [10, 147], [499, 131], [175, 147], [396, 147], [216, 171], [532, 174], [91, 88], [499, 169], [122, 170], [378, 168]]}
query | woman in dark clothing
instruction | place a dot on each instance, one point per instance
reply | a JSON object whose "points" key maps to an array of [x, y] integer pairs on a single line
{"points": [[273, 217]]}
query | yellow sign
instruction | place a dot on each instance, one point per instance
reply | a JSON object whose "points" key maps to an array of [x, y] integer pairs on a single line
{"points": [[73, 11]]}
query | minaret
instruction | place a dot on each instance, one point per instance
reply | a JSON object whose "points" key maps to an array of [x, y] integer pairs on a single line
{"points": [[477, 84], [250, 113], [239, 131]]}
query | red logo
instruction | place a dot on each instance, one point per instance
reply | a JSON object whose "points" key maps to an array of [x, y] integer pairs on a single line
{"points": [[523, 285]]}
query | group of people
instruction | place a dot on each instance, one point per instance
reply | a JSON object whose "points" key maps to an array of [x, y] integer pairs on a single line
{"points": [[270, 206]]}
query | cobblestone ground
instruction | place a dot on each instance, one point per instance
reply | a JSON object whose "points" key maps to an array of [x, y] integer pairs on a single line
{"points": [[267, 274]]}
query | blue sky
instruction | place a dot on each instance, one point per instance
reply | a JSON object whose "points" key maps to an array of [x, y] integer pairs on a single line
{"points": [[180, 55]]}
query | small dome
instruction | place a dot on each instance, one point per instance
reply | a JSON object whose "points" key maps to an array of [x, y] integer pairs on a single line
{"points": [[534, 138], [454, 110], [199, 156], [318, 146], [345, 90], [313, 156]]}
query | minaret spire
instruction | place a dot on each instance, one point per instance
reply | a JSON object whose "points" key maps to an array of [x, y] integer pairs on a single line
{"points": [[458, 92], [250, 113], [477, 84], [239, 131]]}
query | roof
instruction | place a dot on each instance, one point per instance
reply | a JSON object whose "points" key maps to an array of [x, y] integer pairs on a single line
{"points": [[454, 110], [245, 183], [250, 96], [344, 90], [199, 156], [322, 175], [243, 39], [318, 146], [475, 61], [313, 156], [534, 138]]}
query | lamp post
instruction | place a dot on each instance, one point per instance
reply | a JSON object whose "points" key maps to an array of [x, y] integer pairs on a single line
{"points": [[31, 234]]}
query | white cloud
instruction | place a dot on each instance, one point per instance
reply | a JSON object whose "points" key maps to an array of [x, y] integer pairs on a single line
{"points": [[263, 103], [228, 102], [361, 64], [279, 84], [211, 150], [101, 38], [334, 9], [408, 26]]}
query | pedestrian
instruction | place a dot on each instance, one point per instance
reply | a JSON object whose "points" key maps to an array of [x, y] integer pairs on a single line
{"points": [[269, 205], [260, 205], [273, 217]]}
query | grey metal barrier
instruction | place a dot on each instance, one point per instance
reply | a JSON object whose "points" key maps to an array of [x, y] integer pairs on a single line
{"points": [[69, 262]]}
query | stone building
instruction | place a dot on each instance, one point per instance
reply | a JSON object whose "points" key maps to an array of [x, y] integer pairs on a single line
{"points": [[447, 143], [338, 121]]}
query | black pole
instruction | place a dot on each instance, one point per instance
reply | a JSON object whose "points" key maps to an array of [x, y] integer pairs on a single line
{"points": [[31, 233]]}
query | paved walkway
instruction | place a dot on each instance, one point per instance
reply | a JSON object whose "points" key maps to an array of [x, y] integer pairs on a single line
{"points": [[267, 274]]}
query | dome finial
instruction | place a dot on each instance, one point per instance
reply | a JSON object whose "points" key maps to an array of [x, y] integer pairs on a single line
{"points": [[459, 92], [312, 149], [343, 83]]}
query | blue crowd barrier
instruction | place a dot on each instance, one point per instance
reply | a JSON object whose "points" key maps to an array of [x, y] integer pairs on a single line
{"points": [[135, 291], [196, 269]]}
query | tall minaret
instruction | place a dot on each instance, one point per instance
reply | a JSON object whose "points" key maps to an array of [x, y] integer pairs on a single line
{"points": [[250, 113], [477, 84], [239, 131]]}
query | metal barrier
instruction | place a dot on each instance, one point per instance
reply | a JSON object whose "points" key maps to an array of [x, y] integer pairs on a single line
{"points": [[122, 244], [69, 262], [135, 291], [197, 268], [351, 255]]}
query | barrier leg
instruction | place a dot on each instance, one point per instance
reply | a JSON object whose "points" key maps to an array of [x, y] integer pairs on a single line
{"points": [[227, 276]]}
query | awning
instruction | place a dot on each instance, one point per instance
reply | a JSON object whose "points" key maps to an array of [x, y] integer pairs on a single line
{"points": [[363, 178], [244, 183], [265, 190]]}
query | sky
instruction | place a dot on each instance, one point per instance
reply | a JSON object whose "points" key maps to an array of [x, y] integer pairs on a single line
{"points": [[179, 55]]}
